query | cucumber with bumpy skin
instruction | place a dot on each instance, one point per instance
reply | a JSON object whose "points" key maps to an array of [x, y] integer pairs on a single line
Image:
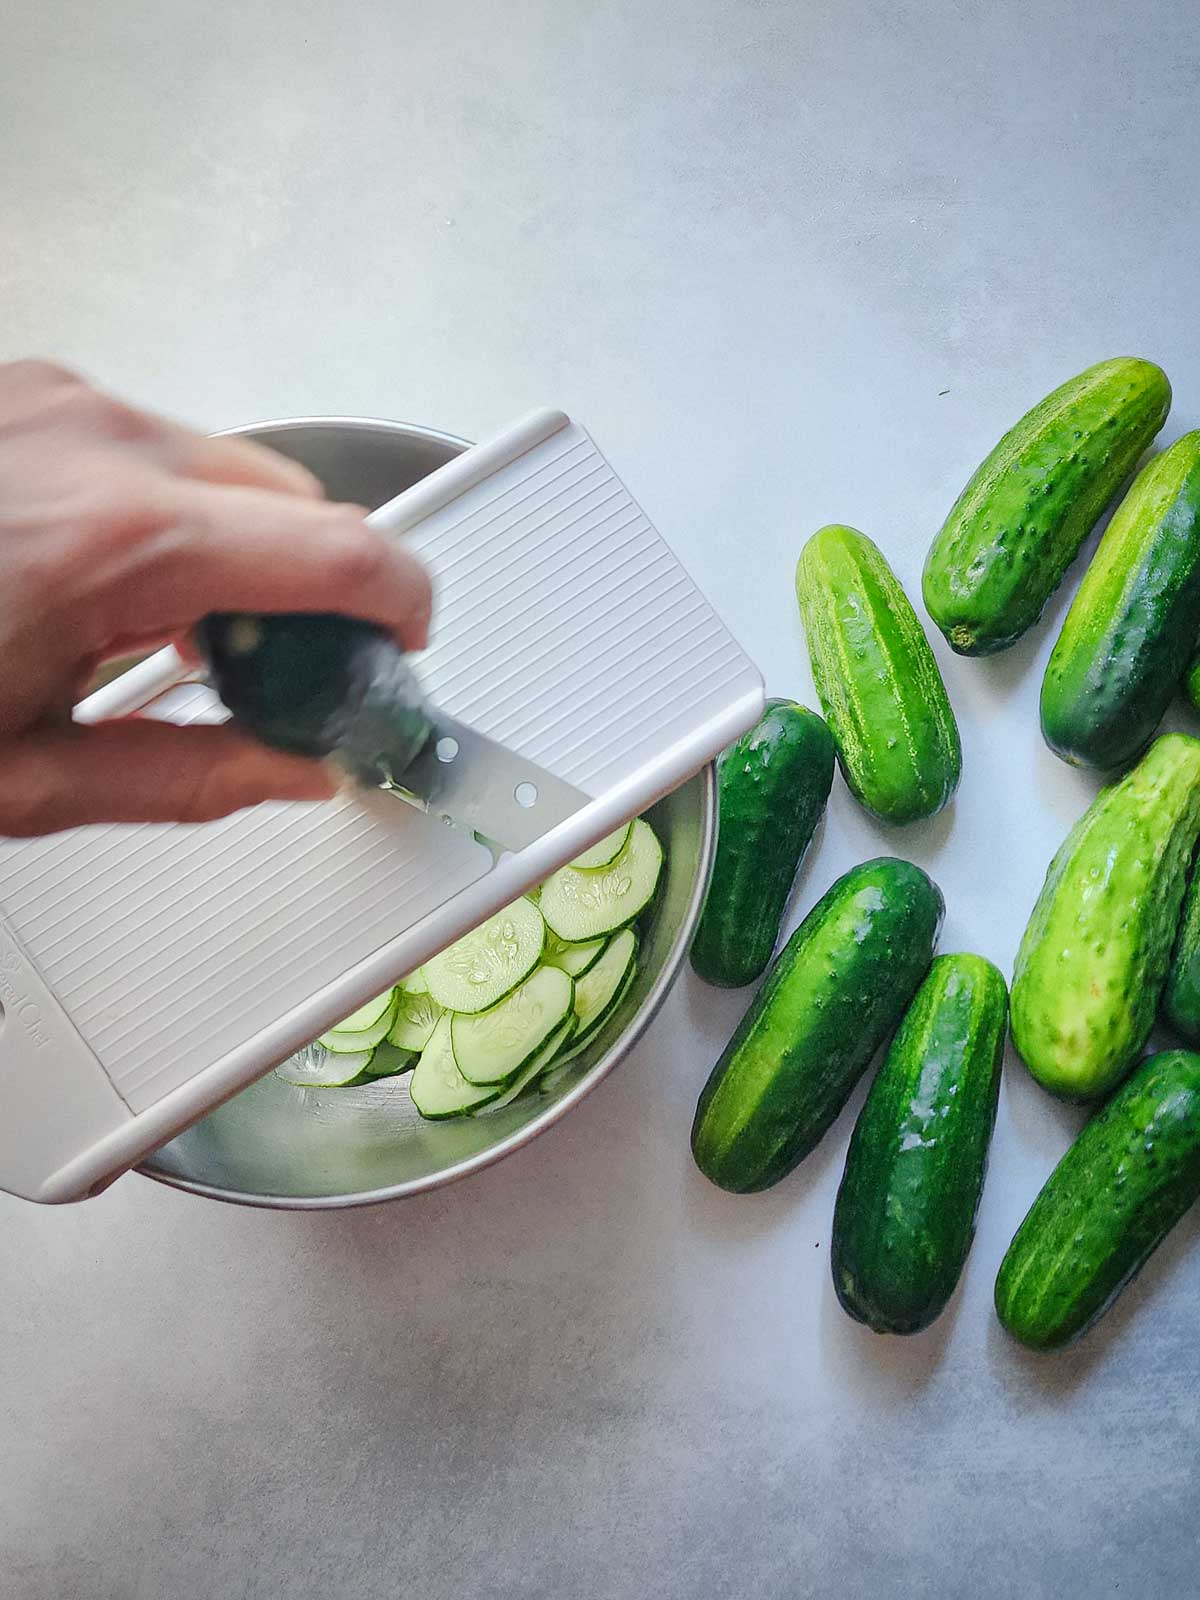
{"points": [[1132, 624], [877, 680], [836, 991], [1180, 1004], [905, 1213], [1093, 959], [1116, 1194], [772, 787], [1017, 526]]}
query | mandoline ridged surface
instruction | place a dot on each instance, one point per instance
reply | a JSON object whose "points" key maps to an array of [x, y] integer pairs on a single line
{"points": [[171, 947], [546, 554]]}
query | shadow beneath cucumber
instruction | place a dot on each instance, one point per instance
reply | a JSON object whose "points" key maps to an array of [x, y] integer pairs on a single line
{"points": [[885, 1367], [924, 839]]}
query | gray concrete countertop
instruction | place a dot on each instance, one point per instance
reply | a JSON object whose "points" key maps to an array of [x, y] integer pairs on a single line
{"points": [[792, 263]]}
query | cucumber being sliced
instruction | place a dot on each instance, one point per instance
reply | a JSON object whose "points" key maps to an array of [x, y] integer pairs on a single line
{"points": [[533, 1069], [584, 905], [603, 851], [483, 966], [342, 1041], [358, 1021], [315, 1068], [438, 1088], [492, 1047], [574, 959], [415, 1019], [387, 1061]]}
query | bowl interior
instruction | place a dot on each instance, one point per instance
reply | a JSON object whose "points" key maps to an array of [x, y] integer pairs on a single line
{"points": [[275, 1144]]}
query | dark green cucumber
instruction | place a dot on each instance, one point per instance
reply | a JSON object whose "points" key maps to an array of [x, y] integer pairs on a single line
{"points": [[1132, 625], [1191, 678], [905, 1213], [1093, 959], [1180, 1004], [1019, 523], [772, 785], [877, 679], [836, 991], [1116, 1194]]}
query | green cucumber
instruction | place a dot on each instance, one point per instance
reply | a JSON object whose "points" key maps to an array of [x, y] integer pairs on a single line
{"points": [[1132, 625], [1116, 1194], [604, 850], [574, 959], [486, 964], [582, 905], [314, 1067], [599, 992], [1190, 683], [1019, 523], [1093, 959], [491, 1047], [387, 1061], [835, 992], [342, 1040], [905, 1212], [772, 787], [876, 677], [416, 1017], [534, 1069], [438, 1088], [1180, 1004]]}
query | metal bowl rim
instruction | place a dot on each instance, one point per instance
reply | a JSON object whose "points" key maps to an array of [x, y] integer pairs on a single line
{"points": [[619, 1049]]}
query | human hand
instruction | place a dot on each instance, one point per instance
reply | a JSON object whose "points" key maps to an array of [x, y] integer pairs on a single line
{"points": [[120, 530]]}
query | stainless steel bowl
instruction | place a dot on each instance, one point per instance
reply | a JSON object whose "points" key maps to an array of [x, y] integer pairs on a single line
{"points": [[275, 1145]]}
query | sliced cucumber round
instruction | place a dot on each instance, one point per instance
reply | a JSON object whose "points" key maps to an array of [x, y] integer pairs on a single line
{"points": [[316, 1068], [574, 959], [492, 1047], [586, 905], [416, 1017], [604, 850], [486, 964], [598, 991], [415, 982], [388, 1062], [438, 1088], [343, 1041], [362, 1019], [533, 1069]]}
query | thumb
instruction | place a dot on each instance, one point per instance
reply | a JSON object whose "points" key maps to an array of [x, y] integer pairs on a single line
{"points": [[134, 770]]}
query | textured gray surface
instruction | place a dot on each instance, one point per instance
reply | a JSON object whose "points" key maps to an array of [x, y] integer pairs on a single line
{"points": [[751, 245]]}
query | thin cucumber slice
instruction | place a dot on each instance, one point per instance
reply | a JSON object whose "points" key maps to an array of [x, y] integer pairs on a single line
{"points": [[438, 1088], [416, 1018], [533, 1069], [486, 964], [315, 1068], [585, 905], [492, 1047], [387, 1061], [574, 959], [415, 982], [603, 851], [597, 991], [362, 1019], [341, 1041], [585, 1037]]}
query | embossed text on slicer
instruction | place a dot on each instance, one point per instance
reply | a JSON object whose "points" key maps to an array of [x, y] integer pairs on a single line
{"points": [[16, 1001]]}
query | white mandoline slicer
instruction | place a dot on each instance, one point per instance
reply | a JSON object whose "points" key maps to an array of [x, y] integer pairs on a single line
{"points": [[149, 972]]}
